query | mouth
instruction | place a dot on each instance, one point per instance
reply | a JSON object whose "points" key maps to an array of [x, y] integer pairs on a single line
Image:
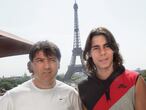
{"points": [[47, 72], [103, 60]]}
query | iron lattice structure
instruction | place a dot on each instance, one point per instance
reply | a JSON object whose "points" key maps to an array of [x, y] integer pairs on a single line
{"points": [[77, 50]]}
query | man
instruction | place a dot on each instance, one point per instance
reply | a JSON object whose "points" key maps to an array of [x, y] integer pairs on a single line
{"points": [[43, 92], [109, 85]]}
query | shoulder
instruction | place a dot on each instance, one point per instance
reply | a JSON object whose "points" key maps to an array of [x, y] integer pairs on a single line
{"points": [[87, 86], [87, 82], [65, 90], [9, 96], [6, 100], [24, 87], [131, 73], [61, 86], [130, 76]]}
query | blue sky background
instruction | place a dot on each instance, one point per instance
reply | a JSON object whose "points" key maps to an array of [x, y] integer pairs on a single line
{"points": [[53, 20]]}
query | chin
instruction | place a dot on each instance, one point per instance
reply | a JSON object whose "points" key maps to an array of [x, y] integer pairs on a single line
{"points": [[105, 66]]}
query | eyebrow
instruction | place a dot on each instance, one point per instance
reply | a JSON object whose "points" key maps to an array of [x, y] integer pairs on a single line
{"points": [[48, 57], [94, 46], [37, 59]]}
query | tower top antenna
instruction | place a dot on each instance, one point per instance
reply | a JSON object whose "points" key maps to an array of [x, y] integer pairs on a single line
{"points": [[75, 5]]}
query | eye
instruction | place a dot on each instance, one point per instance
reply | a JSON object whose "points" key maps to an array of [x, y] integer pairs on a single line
{"points": [[107, 46], [52, 59], [39, 60], [95, 48]]}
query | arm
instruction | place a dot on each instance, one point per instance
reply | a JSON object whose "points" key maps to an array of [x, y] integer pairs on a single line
{"points": [[75, 100], [140, 95], [6, 102]]}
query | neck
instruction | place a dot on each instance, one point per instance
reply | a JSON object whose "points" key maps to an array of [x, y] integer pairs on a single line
{"points": [[103, 74], [43, 84]]}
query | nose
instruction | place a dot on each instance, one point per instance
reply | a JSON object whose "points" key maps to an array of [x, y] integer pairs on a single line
{"points": [[47, 64], [102, 51]]}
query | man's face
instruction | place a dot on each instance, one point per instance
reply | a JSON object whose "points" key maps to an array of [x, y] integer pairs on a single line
{"points": [[44, 67], [101, 53]]}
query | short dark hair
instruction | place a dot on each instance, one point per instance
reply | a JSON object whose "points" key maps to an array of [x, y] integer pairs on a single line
{"points": [[47, 47], [117, 58]]}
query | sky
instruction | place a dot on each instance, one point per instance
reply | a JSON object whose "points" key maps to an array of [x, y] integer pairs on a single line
{"points": [[53, 20]]}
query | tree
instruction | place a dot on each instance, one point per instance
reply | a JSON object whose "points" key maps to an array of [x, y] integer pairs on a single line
{"points": [[11, 82], [143, 73]]}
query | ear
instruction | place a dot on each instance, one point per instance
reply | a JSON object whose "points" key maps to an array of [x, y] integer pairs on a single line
{"points": [[29, 67], [59, 65]]}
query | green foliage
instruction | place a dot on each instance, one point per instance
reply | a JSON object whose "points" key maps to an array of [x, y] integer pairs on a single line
{"points": [[11, 82], [143, 73], [60, 77], [5, 85]]}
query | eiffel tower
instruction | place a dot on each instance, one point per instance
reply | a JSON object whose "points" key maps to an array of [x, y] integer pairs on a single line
{"points": [[77, 50]]}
